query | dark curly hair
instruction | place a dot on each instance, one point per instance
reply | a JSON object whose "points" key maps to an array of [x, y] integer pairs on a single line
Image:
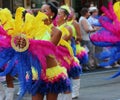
{"points": [[53, 8]]}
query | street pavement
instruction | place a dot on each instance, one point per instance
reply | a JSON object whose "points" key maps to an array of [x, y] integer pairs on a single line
{"points": [[94, 86]]}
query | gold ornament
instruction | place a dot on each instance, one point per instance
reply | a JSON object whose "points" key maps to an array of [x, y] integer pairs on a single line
{"points": [[20, 43]]}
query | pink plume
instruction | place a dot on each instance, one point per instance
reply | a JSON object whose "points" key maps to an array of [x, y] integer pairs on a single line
{"points": [[104, 36], [106, 12], [4, 38], [61, 54], [110, 6], [42, 49], [109, 26]]}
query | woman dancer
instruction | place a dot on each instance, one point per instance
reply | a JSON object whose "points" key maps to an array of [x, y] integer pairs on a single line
{"points": [[67, 32], [30, 58], [79, 51], [51, 11], [108, 36]]}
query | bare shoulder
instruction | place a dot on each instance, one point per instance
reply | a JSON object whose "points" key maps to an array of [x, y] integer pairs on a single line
{"points": [[75, 23], [56, 31]]}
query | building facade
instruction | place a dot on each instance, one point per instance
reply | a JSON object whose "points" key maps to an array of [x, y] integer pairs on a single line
{"points": [[76, 4]]}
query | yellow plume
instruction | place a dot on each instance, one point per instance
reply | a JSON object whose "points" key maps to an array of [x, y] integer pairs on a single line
{"points": [[31, 26], [5, 15], [67, 45], [66, 7], [116, 8]]}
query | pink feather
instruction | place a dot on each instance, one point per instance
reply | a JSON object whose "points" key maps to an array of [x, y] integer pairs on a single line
{"points": [[105, 36], [42, 49], [61, 53], [110, 6], [4, 38]]}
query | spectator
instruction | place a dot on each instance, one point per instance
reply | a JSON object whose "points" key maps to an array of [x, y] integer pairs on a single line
{"points": [[86, 28], [93, 20]]}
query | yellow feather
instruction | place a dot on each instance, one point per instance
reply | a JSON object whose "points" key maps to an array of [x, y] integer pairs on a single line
{"points": [[31, 26], [116, 8], [67, 45], [66, 7], [19, 20], [5, 15]]}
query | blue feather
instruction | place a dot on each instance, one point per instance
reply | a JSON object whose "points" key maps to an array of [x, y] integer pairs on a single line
{"points": [[9, 67], [84, 59], [115, 75], [75, 71], [63, 85], [73, 45], [5, 56], [112, 55], [24, 67], [37, 65]]}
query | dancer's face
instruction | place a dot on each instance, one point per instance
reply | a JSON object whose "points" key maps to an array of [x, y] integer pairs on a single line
{"points": [[46, 9], [61, 15]]}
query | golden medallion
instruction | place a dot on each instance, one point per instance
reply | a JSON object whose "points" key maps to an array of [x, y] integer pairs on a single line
{"points": [[20, 43]]}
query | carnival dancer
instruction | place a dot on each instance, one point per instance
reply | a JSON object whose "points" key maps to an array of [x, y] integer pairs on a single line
{"points": [[32, 57], [79, 51], [109, 35], [74, 68], [9, 91], [51, 11]]}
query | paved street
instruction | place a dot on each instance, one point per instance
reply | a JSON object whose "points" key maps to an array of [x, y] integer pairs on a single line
{"points": [[94, 86]]}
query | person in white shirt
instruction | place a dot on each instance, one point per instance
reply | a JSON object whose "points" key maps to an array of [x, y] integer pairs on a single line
{"points": [[93, 20], [86, 29]]}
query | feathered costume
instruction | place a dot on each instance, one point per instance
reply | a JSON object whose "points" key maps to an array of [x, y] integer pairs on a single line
{"points": [[109, 35], [68, 60], [29, 61], [78, 50]]}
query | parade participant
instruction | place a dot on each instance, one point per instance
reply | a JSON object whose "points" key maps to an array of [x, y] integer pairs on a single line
{"points": [[67, 32], [9, 79], [72, 20], [35, 63], [79, 51], [51, 11], [108, 36]]}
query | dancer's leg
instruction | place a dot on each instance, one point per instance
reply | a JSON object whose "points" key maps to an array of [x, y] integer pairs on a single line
{"points": [[37, 97], [10, 88], [75, 87], [52, 96]]}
